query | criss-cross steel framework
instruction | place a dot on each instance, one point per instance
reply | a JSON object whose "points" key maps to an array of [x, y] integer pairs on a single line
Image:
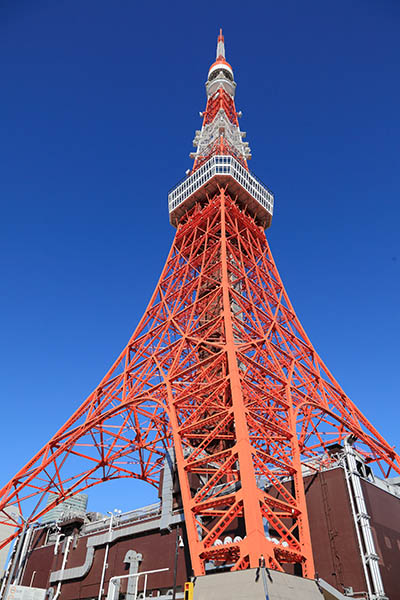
{"points": [[221, 369]]}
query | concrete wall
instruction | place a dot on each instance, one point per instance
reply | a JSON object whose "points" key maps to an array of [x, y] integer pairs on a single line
{"points": [[250, 584]]}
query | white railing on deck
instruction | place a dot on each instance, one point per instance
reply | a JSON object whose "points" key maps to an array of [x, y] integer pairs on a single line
{"points": [[221, 165]]}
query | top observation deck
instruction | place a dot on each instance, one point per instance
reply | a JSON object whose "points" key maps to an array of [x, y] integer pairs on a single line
{"points": [[243, 186], [221, 155]]}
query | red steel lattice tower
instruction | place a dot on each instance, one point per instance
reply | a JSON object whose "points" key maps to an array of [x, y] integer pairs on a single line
{"points": [[219, 368]]}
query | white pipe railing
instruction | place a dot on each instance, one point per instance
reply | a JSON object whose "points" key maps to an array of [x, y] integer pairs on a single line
{"points": [[113, 581], [66, 551]]}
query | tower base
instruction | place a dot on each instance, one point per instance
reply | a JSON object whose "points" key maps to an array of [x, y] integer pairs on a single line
{"points": [[259, 584]]}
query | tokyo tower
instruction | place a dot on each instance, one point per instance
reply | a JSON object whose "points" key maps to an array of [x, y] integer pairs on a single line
{"points": [[220, 370]]}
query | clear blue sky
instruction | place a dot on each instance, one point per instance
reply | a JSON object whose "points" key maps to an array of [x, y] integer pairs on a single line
{"points": [[98, 109]]}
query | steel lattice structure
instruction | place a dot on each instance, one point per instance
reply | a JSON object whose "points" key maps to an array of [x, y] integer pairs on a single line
{"points": [[221, 369]]}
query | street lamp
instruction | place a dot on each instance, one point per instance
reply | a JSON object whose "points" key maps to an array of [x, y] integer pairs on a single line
{"points": [[178, 544], [116, 513]]}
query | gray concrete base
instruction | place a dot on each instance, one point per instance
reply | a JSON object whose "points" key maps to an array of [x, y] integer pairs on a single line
{"points": [[251, 585]]}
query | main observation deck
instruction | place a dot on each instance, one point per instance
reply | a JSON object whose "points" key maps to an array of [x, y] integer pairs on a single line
{"points": [[243, 186]]}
